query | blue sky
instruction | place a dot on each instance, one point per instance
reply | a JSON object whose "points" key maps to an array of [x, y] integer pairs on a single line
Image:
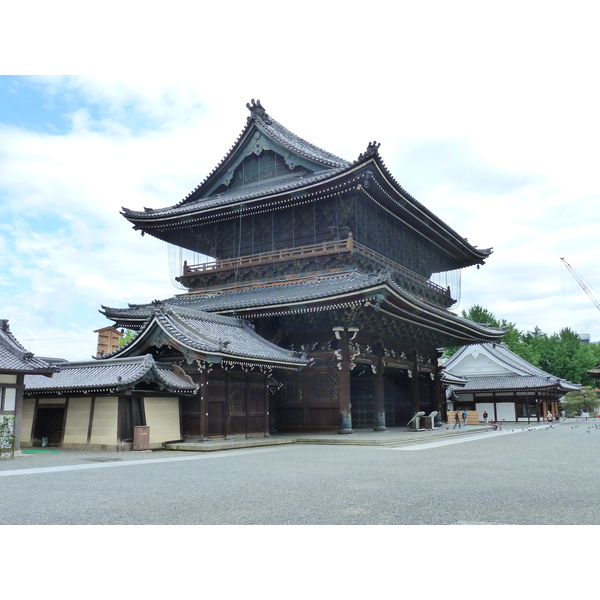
{"points": [[488, 117]]}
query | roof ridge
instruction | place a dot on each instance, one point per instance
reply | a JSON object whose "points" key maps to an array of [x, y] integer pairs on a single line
{"points": [[282, 134]]}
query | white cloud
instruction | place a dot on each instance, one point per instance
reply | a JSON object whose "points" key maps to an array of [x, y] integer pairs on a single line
{"points": [[487, 114]]}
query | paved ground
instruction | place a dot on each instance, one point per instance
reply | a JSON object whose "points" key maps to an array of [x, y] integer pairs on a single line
{"points": [[537, 475]]}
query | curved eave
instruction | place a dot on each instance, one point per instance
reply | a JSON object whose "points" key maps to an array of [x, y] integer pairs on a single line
{"points": [[259, 200], [560, 387], [423, 215], [182, 343], [397, 304], [382, 189]]}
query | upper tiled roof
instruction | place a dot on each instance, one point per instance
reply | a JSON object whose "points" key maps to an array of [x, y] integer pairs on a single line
{"points": [[111, 375], [215, 336], [327, 173], [271, 187], [288, 139], [14, 357]]}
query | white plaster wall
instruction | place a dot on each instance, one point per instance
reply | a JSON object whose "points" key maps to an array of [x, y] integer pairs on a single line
{"points": [[478, 366], [162, 416], [27, 420], [506, 411], [78, 421], [104, 427], [482, 406]]}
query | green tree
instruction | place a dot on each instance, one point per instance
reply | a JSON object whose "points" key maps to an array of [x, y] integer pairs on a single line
{"points": [[583, 400], [127, 336], [478, 314], [560, 354]]}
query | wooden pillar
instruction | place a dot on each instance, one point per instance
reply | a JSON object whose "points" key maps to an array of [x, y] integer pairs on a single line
{"points": [[246, 396], [436, 393], [203, 397], [266, 374], [414, 386], [344, 335], [227, 415], [20, 388], [378, 390]]}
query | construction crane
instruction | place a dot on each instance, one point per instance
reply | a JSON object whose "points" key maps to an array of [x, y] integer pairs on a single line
{"points": [[580, 281]]}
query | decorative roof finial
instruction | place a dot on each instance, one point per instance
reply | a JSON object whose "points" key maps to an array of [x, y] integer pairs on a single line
{"points": [[372, 149], [256, 109]]}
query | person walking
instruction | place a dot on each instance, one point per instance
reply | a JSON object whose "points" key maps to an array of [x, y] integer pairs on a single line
{"points": [[485, 417], [465, 416], [456, 420], [549, 417]]}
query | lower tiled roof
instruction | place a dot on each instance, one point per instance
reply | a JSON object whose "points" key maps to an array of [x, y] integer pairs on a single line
{"points": [[15, 358], [213, 336], [514, 383], [299, 294], [111, 376]]}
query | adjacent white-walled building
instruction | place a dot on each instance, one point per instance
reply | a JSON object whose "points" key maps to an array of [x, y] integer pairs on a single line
{"points": [[505, 385]]}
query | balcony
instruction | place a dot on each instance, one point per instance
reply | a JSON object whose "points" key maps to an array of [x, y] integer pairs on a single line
{"points": [[420, 285]]}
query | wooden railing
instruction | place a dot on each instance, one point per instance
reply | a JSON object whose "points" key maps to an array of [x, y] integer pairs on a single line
{"points": [[285, 254], [313, 250]]}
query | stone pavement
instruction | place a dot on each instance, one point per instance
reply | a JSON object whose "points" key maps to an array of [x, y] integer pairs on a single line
{"points": [[361, 437], [45, 457]]}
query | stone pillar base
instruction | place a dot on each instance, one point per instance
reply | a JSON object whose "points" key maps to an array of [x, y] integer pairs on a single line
{"points": [[345, 424], [379, 424]]}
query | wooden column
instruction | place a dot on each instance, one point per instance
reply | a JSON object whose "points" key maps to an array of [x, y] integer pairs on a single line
{"points": [[266, 374], [436, 392], [204, 368], [246, 397], [344, 335], [20, 388], [378, 391], [414, 385], [227, 407]]}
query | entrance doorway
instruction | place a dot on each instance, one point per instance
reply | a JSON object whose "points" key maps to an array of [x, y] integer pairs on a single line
{"points": [[49, 423]]}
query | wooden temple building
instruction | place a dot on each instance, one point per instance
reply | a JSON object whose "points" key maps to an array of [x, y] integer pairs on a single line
{"points": [[329, 262]]}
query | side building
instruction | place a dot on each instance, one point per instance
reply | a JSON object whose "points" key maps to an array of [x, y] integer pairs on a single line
{"points": [[505, 385], [15, 364], [328, 259], [102, 404]]}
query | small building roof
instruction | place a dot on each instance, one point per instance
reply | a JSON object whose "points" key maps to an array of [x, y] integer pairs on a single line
{"points": [[594, 373], [111, 376], [505, 371], [14, 358]]}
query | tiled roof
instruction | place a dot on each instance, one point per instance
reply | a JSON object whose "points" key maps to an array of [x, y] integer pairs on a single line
{"points": [[331, 172], [290, 140], [14, 357], [268, 187], [297, 295], [451, 379], [111, 375], [516, 382], [258, 296], [524, 374], [215, 335]]}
